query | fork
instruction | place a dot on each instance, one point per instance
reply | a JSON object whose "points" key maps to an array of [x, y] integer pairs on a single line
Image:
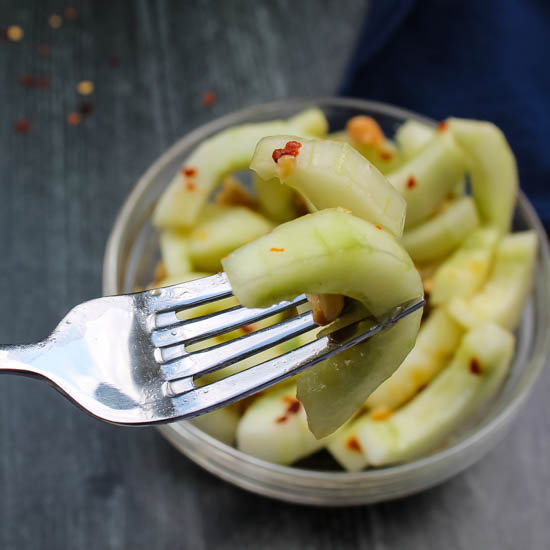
{"points": [[124, 359]]}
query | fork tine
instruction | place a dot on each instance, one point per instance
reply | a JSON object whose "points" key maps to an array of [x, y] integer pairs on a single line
{"points": [[223, 355], [202, 328], [191, 293], [191, 402]]}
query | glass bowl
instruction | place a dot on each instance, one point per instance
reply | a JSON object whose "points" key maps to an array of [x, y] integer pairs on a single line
{"points": [[132, 252]]}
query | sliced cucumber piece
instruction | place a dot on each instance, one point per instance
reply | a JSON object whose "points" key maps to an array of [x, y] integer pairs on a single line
{"points": [[228, 151], [220, 234], [277, 201], [440, 235], [475, 373], [502, 298], [274, 428], [333, 390], [329, 174], [429, 177], [328, 252], [492, 167], [220, 424], [412, 136], [174, 250], [333, 252], [464, 273], [344, 446], [436, 343]]}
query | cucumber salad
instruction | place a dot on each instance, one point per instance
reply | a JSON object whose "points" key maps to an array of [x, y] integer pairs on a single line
{"points": [[360, 223]]}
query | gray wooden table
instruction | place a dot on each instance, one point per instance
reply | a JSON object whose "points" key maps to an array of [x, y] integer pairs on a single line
{"points": [[69, 481]]}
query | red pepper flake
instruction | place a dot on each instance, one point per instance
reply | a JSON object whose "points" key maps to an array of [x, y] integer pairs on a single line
{"points": [[378, 226], [294, 407], [276, 249], [85, 108], [208, 98], [42, 82], [22, 126], [292, 149], [71, 14], [14, 33], [443, 125], [411, 182], [189, 171], [281, 419], [247, 329], [44, 50], [74, 119], [353, 444], [190, 186], [26, 80], [382, 413], [386, 155], [475, 367], [114, 60]]}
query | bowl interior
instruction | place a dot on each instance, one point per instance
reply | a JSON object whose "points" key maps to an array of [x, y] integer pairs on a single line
{"points": [[133, 252]]}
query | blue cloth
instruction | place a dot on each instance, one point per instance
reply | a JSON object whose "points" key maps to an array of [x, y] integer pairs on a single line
{"points": [[486, 59]]}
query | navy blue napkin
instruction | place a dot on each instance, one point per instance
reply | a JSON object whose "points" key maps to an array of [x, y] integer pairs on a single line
{"points": [[486, 59]]}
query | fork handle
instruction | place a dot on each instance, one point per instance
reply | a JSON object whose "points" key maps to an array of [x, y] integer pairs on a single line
{"points": [[21, 359]]}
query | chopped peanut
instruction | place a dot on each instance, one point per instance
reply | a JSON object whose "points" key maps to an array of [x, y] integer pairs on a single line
{"points": [[365, 130], [326, 307], [233, 193]]}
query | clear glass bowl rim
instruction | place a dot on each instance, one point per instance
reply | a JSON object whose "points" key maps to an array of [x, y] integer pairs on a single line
{"points": [[311, 486]]}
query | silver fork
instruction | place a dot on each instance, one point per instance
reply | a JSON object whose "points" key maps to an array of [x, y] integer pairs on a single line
{"points": [[124, 359]]}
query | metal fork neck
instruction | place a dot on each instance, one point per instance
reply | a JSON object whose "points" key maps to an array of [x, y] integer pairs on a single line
{"points": [[21, 359]]}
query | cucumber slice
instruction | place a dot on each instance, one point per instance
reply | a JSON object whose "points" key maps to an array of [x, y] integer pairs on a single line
{"points": [[276, 200], [429, 177], [274, 428], [412, 136], [228, 151], [334, 390], [174, 250], [436, 343], [464, 273], [328, 252], [331, 174], [492, 167], [344, 446], [475, 373], [440, 235], [223, 232], [333, 252], [220, 424], [502, 298]]}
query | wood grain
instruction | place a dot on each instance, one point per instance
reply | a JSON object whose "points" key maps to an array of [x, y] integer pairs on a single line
{"points": [[69, 481]]}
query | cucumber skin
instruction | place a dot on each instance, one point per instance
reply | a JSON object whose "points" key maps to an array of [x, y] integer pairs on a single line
{"points": [[221, 233], [440, 235], [502, 298], [331, 173], [455, 394], [436, 171], [464, 273], [492, 167], [230, 150], [328, 252]]}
